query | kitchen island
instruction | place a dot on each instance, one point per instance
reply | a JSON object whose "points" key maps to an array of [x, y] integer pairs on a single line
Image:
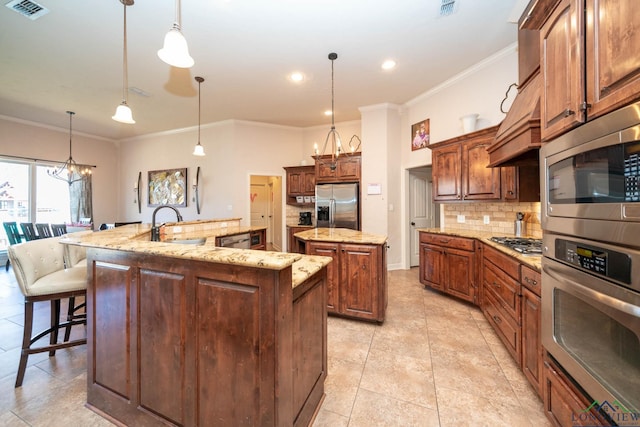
{"points": [[194, 334], [357, 277]]}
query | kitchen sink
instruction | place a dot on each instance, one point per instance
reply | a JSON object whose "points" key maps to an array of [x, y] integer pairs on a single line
{"points": [[198, 241]]}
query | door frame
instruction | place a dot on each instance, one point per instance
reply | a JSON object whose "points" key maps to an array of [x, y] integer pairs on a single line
{"points": [[434, 210]]}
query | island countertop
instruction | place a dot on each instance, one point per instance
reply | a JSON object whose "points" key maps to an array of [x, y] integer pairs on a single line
{"points": [[340, 235], [136, 238]]}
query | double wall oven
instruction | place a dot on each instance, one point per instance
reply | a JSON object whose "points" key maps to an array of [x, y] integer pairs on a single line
{"points": [[591, 256]]}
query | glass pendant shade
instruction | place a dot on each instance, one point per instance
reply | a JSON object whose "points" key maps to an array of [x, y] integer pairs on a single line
{"points": [[198, 150], [175, 51], [123, 114]]}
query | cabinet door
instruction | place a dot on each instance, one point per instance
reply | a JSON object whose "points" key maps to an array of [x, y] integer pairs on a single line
{"points": [[531, 346], [349, 168], [359, 288], [446, 173], [309, 183], [561, 52], [324, 173], [509, 183], [460, 274], [294, 183], [431, 263], [333, 271], [478, 181], [612, 55]]}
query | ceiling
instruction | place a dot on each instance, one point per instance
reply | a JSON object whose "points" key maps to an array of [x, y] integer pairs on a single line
{"points": [[71, 59]]}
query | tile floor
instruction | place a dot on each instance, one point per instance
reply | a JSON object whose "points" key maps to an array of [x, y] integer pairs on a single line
{"points": [[434, 362]]}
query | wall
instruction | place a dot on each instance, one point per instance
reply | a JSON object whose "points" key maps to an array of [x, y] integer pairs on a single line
{"points": [[32, 140]]}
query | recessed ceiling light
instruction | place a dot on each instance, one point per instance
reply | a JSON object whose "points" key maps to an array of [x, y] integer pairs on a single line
{"points": [[296, 77], [327, 113], [389, 64]]}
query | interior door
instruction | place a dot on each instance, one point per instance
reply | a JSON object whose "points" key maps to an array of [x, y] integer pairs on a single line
{"points": [[420, 209], [260, 205]]}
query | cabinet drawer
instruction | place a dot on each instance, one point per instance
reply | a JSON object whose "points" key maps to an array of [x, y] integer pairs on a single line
{"points": [[508, 331], [531, 279], [504, 289], [448, 241], [506, 263]]}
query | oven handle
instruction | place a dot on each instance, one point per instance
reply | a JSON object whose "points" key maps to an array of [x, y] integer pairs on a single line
{"points": [[563, 275]]}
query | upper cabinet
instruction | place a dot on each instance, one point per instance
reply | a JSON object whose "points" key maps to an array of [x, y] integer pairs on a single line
{"points": [[461, 172], [346, 168], [301, 182], [590, 62]]}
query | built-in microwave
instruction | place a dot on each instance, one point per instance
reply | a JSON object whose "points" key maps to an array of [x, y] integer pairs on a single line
{"points": [[591, 178]]}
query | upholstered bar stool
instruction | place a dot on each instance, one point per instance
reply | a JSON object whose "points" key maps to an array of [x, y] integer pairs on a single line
{"points": [[41, 275]]}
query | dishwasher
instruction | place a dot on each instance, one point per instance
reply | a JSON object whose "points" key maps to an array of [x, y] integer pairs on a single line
{"points": [[239, 241]]}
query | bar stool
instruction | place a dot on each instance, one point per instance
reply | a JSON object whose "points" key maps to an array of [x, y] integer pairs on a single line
{"points": [[14, 236], [39, 269]]}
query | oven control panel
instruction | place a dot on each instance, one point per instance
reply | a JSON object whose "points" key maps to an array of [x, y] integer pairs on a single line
{"points": [[607, 263]]}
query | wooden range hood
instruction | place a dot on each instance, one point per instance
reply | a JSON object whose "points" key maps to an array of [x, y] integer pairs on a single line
{"points": [[518, 139]]}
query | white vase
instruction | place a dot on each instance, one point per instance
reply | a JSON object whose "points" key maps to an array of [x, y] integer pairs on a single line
{"points": [[469, 122]]}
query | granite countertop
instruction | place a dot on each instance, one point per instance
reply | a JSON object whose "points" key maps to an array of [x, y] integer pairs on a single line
{"points": [[136, 238], [340, 235], [533, 261]]}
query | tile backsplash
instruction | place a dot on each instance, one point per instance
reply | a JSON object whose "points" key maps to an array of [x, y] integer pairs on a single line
{"points": [[500, 217], [293, 214]]}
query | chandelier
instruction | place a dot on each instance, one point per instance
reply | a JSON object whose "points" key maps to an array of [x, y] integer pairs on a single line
{"points": [[65, 171], [333, 141]]}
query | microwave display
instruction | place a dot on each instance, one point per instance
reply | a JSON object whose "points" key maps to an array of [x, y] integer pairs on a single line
{"points": [[604, 175]]}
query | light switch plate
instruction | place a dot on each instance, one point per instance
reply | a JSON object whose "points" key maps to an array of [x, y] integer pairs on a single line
{"points": [[486, 219], [461, 219]]}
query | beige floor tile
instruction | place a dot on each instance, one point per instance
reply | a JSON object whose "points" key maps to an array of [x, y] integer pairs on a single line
{"points": [[373, 409], [461, 408], [9, 419], [401, 377], [330, 419], [341, 385]]}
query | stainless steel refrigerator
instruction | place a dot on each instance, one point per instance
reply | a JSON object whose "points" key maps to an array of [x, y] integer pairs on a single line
{"points": [[337, 205]]}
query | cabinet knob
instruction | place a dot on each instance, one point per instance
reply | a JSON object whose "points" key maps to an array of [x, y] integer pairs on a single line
{"points": [[413, 223], [568, 112], [497, 319], [510, 192], [531, 281], [458, 196], [496, 284]]}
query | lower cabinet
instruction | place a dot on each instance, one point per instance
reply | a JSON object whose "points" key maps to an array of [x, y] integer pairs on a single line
{"points": [[531, 319], [448, 264], [292, 245], [564, 403], [258, 239], [356, 279]]}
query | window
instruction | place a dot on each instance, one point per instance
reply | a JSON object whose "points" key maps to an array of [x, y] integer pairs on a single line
{"points": [[29, 194]]}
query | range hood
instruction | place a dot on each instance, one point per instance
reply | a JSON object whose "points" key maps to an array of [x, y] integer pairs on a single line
{"points": [[518, 139]]}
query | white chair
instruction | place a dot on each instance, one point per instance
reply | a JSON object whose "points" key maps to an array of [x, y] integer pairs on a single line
{"points": [[39, 267]]}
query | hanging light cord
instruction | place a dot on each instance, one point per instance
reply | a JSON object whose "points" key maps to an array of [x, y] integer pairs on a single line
{"points": [[332, 98], [199, 82], [71, 113], [178, 23], [125, 70]]}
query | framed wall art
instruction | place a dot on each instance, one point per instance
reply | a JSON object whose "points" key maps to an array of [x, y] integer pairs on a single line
{"points": [[420, 135], [168, 187]]}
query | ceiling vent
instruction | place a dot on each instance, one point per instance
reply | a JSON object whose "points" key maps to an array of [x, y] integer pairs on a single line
{"points": [[448, 7], [28, 8]]}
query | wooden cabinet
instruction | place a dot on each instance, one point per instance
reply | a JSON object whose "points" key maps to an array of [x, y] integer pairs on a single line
{"points": [[564, 403], [461, 172], [590, 62], [292, 245], [301, 182], [448, 264], [501, 299], [356, 279], [531, 281], [346, 168]]}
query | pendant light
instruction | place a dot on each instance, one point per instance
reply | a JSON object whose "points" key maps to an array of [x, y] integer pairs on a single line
{"points": [[175, 51], [198, 149], [66, 170], [333, 136], [123, 112]]}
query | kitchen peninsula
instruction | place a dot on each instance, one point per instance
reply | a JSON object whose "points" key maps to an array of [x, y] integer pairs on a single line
{"points": [[194, 334], [357, 277]]}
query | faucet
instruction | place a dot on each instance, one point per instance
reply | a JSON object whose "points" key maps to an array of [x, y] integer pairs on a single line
{"points": [[155, 231]]}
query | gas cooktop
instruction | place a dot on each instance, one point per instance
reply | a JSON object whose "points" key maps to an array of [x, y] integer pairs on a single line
{"points": [[524, 245]]}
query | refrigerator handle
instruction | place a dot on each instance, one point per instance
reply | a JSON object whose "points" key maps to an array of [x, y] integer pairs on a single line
{"points": [[332, 212]]}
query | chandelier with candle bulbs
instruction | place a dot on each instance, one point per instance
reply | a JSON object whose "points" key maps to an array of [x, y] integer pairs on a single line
{"points": [[66, 171]]}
